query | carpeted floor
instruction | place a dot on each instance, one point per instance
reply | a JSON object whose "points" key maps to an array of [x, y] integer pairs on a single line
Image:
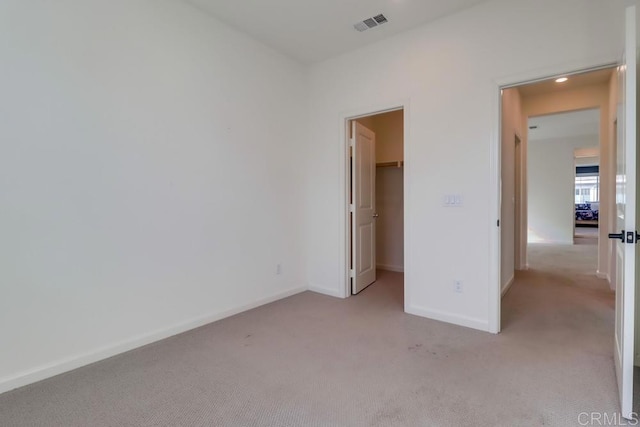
{"points": [[313, 360], [585, 236]]}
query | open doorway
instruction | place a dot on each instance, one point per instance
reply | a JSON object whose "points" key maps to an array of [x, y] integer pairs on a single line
{"points": [[375, 208], [563, 197], [558, 175], [549, 129], [563, 202], [613, 90]]}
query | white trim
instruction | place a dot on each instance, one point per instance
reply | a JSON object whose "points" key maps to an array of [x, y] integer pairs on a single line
{"points": [[407, 186], [626, 309], [455, 319], [565, 69], [507, 287], [388, 267], [326, 291], [74, 362], [604, 276], [495, 183]]}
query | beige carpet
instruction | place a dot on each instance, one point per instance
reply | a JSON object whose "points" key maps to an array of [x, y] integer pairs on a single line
{"points": [[585, 236], [313, 360]]}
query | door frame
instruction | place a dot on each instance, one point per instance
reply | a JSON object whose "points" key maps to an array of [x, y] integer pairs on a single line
{"points": [[497, 86], [345, 185]]}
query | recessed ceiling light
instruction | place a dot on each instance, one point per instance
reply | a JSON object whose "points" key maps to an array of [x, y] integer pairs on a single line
{"points": [[561, 80]]}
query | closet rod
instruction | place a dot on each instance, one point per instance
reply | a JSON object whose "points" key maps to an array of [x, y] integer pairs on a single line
{"points": [[397, 164]]}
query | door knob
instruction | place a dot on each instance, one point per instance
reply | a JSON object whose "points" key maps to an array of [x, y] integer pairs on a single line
{"points": [[375, 215], [617, 236]]}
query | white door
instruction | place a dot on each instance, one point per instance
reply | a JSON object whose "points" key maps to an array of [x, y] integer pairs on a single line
{"points": [[626, 218], [363, 191]]}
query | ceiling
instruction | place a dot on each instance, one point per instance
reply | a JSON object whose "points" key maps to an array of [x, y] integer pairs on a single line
{"points": [[569, 124], [565, 125], [312, 31], [575, 81]]}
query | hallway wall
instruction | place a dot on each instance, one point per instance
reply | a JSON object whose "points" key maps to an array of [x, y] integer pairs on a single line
{"points": [[551, 185], [512, 127]]}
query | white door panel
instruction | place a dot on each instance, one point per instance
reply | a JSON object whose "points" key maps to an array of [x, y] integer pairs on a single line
{"points": [[364, 202], [626, 218]]}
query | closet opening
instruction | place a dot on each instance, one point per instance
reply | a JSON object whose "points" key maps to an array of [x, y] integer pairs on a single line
{"points": [[375, 205]]}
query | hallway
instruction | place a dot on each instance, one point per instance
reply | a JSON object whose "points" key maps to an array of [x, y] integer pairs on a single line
{"points": [[559, 296], [566, 316]]}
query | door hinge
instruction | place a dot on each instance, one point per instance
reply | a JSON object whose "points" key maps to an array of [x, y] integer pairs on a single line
{"points": [[351, 208], [352, 142], [352, 273]]}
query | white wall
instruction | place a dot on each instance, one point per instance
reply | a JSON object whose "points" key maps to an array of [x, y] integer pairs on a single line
{"points": [[587, 156], [389, 128], [390, 223], [551, 184], [447, 74], [149, 177], [512, 128]]}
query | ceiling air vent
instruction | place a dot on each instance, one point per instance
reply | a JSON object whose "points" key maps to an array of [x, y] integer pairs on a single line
{"points": [[380, 19], [370, 22]]}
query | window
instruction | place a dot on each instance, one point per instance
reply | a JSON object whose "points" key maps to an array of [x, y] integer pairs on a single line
{"points": [[587, 189]]}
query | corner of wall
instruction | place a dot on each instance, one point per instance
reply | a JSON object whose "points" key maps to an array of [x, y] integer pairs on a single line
{"points": [[70, 363]]}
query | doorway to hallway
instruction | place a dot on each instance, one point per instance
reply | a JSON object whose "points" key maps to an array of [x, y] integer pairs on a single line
{"points": [[558, 129], [565, 272]]}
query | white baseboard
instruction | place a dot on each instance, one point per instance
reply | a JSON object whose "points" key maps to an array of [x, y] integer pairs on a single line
{"points": [[387, 267], [326, 291], [506, 287], [70, 363], [604, 276], [456, 319]]}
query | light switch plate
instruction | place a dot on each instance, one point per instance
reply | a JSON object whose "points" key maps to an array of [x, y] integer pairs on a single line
{"points": [[452, 200]]}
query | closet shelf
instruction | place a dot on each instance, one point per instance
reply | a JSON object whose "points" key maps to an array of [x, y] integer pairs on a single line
{"points": [[397, 164]]}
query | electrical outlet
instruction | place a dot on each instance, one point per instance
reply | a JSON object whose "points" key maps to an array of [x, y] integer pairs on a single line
{"points": [[279, 269], [457, 286]]}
